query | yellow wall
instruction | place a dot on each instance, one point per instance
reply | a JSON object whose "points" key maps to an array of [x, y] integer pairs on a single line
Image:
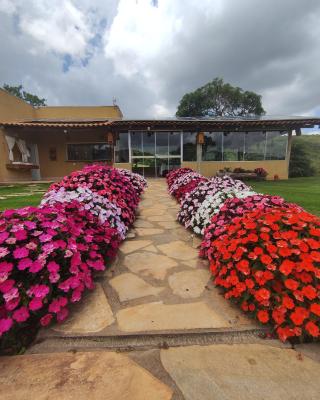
{"points": [[78, 113], [124, 165], [210, 168], [14, 109]]}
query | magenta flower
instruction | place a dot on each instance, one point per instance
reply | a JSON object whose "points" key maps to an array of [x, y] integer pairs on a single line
{"points": [[5, 325], [46, 319], [20, 252], [39, 291], [3, 252], [21, 314], [35, 304], [24, 264]]}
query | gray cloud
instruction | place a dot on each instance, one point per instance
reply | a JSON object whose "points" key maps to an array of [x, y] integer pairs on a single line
{"points": [[148, 57]]}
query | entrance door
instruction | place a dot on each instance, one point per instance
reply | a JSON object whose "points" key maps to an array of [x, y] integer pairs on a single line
{"points": [[154, 153]]}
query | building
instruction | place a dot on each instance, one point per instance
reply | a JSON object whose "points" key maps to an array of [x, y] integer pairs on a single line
{"points": [[50, 142]]}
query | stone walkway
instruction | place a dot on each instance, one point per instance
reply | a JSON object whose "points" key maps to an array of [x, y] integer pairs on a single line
{"points": [[178, 337]]}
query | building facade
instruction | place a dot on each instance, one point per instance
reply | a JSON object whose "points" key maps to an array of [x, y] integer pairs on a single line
{"points": [[49, 142]]}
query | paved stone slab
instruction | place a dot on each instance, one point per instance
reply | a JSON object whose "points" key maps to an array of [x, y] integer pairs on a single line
{"points": [[161, 218], [140, 223], [179, 250], [159, 316], [189, 284], [197, 263], [242, 372], [169, 224], [153, 211], [149, 264], [149, 231], [91, 316], [129, 286], [130, 246], [81, 376], [151, 248]]}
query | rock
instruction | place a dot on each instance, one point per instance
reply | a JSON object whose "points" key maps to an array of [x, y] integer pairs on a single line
{"points": [[162, 317], [129, 286], [131, 235], [189, 284], [242, 372], [149, 264], [90, 316], [79, 376], [179, 250], [130, 246]]}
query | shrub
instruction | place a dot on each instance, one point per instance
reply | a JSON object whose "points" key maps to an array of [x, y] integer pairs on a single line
{"points": [[175, 174], [269, 264], [301, 160], [183, 180], [261, 172]]}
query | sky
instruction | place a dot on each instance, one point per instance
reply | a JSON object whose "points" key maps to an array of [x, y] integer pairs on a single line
{"points": [[147, 54]]}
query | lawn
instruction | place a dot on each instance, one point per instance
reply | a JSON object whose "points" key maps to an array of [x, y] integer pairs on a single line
{"points": [[15, 196], [303, 191]]}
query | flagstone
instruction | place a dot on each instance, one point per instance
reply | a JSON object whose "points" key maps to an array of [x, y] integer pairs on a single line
{"points": [[169, 224], [151, 248], [162, 218], [92, 315], [129, 286], [161, 317], [152, 211], [242, 372], [148, 264], [78, 376], [133, 245], [178, 249], [149, 231], [197, 263], [140, 223], [189, 284]]}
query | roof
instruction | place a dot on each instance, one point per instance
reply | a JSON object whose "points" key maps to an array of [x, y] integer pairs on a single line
{"points": [[263, 123]]}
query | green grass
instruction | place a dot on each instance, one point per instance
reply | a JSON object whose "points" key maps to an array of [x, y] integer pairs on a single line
{"points": [[303, 191], [28, 195]]}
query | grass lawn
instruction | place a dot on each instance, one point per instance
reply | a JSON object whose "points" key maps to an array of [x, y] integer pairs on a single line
{"points": [[303, 191], [15, 196]]}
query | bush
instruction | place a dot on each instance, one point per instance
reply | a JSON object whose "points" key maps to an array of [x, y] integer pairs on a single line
{"points": [[300, 161], [269, 264], [181, 181], [175, 174]]}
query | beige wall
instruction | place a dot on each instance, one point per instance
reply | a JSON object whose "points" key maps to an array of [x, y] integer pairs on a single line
{"points": [[14, 109], [210, 168], [124, 165], [78, 113]]}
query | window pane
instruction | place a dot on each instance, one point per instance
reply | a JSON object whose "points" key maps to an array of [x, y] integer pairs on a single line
{"points": [[254, 145], [148, 143], [136, 143], [212, 147], [122, 148], [137, 165], [162, 143], [89, 152], [189, 146], [233, 146], [276, 145], [174, 143]]}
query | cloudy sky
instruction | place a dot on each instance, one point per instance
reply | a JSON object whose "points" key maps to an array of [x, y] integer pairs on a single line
{"points": [[148, 53]]}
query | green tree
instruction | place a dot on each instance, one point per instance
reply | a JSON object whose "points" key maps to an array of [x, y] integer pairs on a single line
{"points": [[22, 94], [219, 99], [300, 160]]}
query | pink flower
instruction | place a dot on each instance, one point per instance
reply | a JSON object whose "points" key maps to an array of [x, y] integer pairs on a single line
{"points": [[45, 238], [5, 325], [39, 291], [11, 240], [13, 303], [24, 264], [35, 304], [21, 315], [62, 314], [11, 294], [54, 277], [3, 237], [6, 286], [36, 267], [3, 252], [21, 234], [31, 246], [20, 252], [53, 266], [46, 319], [5, 266]]}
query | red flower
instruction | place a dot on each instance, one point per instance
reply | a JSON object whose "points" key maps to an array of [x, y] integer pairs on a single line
{"points": [[309, 292], [265, 259], [263, 316], [278, 316], [243, 266], [315, 309], [312, 328], [299, 315], [287, 302], [291, 284], [286, 267], [262, 294]]}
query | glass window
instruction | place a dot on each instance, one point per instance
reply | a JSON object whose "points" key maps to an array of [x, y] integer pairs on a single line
{"points": [[254, 146], [212, 147], [189, 146], [276, 146], [89, 152], [233, 144], [174, 143], [162, 143], [148, 143], [136, 143], [122, 148]]}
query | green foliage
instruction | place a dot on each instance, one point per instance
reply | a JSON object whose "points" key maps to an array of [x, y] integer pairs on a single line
{"points": [[311, 145], [219, 99], [300, 160], [26, 96]]}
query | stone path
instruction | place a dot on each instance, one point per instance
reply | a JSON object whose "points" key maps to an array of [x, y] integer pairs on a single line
{"points": [[155, 301]]}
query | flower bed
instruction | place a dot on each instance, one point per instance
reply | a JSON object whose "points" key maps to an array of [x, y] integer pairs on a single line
{"points": [[48, 254], [264, 252]]}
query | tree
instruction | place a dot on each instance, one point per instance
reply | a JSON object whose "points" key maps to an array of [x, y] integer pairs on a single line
{"points": [[219, 99], [300, 160], [22, 94]]}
